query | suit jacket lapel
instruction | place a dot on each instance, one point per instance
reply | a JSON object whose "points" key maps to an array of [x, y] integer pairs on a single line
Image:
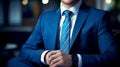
{"points": [[55, 28], [80, 21]]}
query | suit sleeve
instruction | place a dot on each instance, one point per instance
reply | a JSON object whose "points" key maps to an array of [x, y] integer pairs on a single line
{"points": [[33, 47], [108, 48]]}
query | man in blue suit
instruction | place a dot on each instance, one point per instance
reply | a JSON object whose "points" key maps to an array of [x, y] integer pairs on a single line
{"points": [[91, 41]]}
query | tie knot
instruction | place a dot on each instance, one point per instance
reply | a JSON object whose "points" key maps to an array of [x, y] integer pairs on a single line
{"points": [[67, 13]]}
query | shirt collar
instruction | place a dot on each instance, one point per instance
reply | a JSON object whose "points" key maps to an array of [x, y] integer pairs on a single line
{"points": [[73, 9]]}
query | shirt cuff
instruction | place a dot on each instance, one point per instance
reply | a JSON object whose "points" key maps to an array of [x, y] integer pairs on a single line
{"points": [[79, 60], [42, 56]]}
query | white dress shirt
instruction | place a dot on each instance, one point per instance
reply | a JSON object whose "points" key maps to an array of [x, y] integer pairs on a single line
{"points": [[75, 10]]}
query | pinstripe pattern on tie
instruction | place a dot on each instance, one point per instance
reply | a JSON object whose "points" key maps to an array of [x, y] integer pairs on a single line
{"points": [[65, 33]]}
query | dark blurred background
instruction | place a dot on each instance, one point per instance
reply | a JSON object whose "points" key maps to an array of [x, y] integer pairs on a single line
{"points": [[18, 18]]}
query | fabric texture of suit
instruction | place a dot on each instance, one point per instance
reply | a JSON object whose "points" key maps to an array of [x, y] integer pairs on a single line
{"points": [[91, 37]]}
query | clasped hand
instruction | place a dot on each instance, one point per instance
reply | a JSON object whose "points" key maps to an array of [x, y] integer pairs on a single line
{"points": [[58, 58]]}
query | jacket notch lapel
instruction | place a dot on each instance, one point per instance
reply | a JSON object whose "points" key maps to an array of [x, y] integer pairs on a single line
{"points": [[55, 28], [80, 21]]}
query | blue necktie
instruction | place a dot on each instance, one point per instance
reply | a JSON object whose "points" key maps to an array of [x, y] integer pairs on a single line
{"points": [[65, 33]]}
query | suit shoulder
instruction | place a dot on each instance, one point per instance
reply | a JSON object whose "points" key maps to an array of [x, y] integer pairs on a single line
{"points": [[98, 12]]}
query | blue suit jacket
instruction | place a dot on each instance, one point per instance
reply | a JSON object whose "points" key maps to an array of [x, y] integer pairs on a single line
{"points": [[91, 37]]}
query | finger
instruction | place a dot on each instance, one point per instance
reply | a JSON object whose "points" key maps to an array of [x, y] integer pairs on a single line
{"points": [[62, 60], [55, 60], [48, 56], [57, 64], [54, 55], [51, 53]]}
